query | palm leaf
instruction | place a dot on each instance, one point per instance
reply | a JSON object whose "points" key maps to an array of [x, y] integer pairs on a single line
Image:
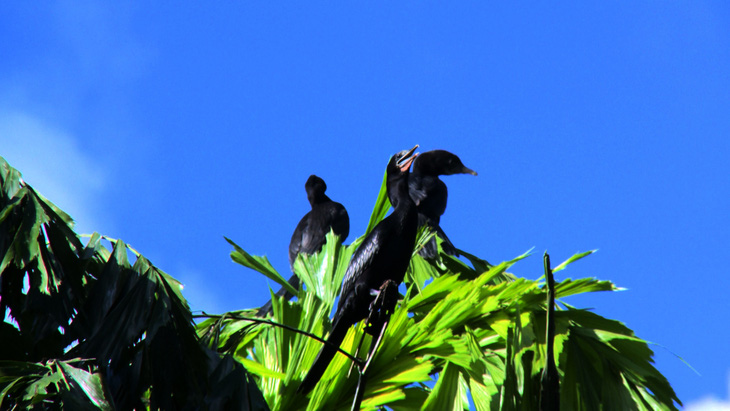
{"points": [[127, 318], [464, 330]]}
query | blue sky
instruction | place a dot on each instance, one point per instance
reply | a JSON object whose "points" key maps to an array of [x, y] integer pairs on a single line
{"points": [[591, 126]]}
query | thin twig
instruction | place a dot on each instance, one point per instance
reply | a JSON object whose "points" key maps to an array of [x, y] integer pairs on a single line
{"points": [[383, 306], [357, 352], [290, 328]]}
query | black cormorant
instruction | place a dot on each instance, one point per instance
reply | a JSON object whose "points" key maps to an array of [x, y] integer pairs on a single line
{"points": [[430, 193], [309, 235], [383, 255]]}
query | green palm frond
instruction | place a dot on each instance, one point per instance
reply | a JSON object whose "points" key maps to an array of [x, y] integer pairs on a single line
{"points": [[463, 332], [96, 325]]}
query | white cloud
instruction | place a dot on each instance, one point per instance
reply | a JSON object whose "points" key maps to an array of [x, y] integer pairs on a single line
{"points": [[711, 403], [70, 90], [52, 162]]}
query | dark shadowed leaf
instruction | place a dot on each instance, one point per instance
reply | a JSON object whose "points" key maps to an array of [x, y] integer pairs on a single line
{"points": [[129, 320]]}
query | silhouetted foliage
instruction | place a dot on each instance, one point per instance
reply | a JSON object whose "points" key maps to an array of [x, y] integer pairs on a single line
{"points": [[86, 327]]}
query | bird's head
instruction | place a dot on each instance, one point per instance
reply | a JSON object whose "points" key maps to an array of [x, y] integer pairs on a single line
{"points": [[401, 161], [397, 180], [441, 163], [315, 188]]}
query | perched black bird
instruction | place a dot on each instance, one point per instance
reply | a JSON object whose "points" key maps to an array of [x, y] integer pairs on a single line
{"points": [[383, 255], [430, 193], [309, 236]]}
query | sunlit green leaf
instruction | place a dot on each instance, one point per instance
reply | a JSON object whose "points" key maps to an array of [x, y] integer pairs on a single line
{"points": [[382, 205], [583, 285], [445, 391], [573, 258], [260, 264], [464, 329]]}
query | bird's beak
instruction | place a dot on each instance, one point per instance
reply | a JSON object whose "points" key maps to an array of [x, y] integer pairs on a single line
{"points": [[405, 162], [467, 170]]}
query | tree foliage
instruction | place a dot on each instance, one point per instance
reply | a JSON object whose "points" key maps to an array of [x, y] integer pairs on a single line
{"points": [[88, 328], [462, 334], [93, 324]]}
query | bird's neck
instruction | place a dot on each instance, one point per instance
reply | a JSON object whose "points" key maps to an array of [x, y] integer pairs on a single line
{"points": [[398, 193], [424, 168], [318, 199]]}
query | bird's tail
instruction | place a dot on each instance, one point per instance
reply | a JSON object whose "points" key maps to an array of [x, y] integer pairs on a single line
{"points": [[430, 249], [446, 244], [266, 309], [328, 351]]}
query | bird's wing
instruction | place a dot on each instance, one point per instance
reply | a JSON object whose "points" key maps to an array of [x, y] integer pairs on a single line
{"points": [[430, 249], [299, 238], [341, 222], [416, 189], [313, 238], [360, 263], [446, 244]]}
